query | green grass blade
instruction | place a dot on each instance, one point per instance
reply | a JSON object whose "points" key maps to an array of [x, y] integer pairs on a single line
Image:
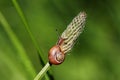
{"points": [[30, 33], [27, 28], [18, 46]]}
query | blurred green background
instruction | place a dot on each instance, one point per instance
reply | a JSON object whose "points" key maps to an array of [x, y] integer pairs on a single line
{"points": [[96, 55]]}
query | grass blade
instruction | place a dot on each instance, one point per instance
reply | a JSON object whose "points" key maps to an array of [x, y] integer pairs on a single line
{"points": [[27, 28], [18, 46], [30, 33]]}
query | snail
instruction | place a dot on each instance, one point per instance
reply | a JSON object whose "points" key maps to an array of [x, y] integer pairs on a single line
{"points": [[56, 56]]}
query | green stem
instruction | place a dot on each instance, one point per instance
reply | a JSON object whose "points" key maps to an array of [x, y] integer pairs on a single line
{"points": [[42, 72]]}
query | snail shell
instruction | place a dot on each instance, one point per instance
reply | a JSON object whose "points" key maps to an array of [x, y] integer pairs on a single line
{"points": [[56, 56]]}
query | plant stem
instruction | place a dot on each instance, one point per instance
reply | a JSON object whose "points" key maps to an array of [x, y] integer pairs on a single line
{"points": [[42, 72], [21, 14]]}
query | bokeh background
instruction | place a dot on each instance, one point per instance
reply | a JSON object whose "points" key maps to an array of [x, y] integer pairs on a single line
{"points": [[96, 55]]}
